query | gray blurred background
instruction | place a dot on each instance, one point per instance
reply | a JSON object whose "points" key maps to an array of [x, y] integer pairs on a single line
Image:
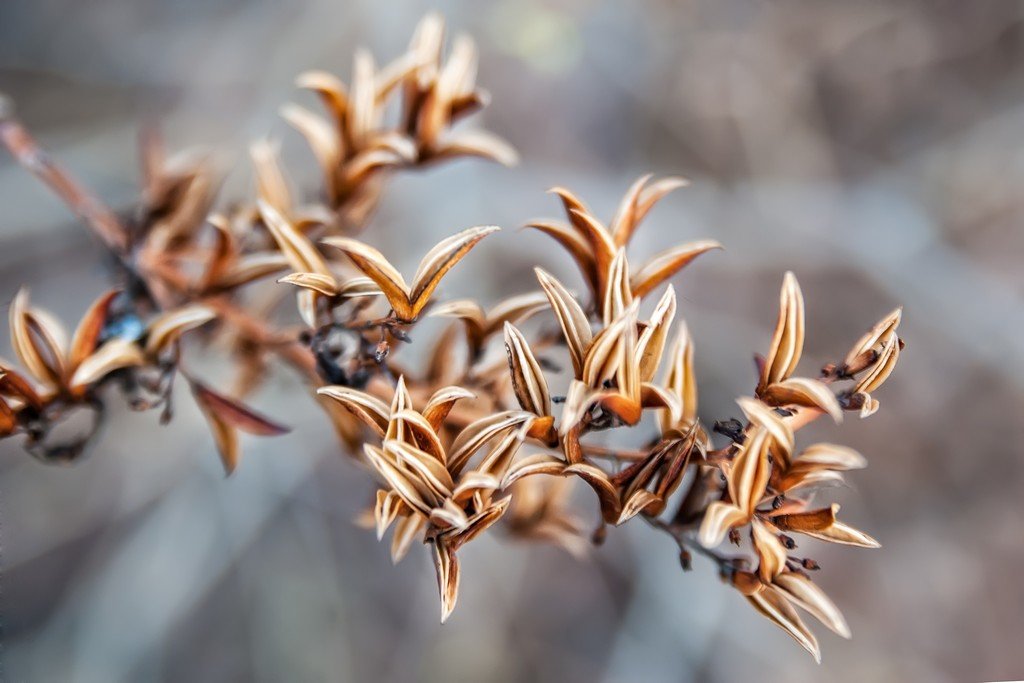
{"points": [[872, 147]]}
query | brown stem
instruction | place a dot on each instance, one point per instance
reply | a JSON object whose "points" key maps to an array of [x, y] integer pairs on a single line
{"points": [[100, 219], [687, 543]]}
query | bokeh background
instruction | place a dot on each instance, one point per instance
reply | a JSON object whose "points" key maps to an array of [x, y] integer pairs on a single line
{"points": [[873, 147]]}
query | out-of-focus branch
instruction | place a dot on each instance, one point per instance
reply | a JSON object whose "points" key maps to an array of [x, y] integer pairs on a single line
{"points": [[100, 219]]}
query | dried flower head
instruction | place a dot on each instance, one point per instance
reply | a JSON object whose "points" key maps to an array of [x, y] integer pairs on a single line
{"points": [[458, 442], [355, 146]]}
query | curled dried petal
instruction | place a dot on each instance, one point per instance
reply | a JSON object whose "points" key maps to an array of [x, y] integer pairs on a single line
{"points": [[441, 402], [113, 355], [38, 351], [607, 494], [300, 252], [681, 380], [750, 470], [406, 531], [882, 330], [788, 341], [271, 186], [168, 327], [477, 143], [378, 269], [773, 604], [428, 471], [666, 264], [447, 566], [322, 284], [251, 267], [802, 391], [400, 482], [480, 433], [805, 594], [832, 456], [87, 334], [528, 381], [770, 549], [781, 432], [388, 507], [637, 202], [717, 520], [539, 463], [322, 138], [617, 294], [573, 321], [439, 260], [822, 524], [651, 346]]}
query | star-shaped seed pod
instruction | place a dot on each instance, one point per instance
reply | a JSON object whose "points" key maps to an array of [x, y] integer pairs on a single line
{"points": [[747, 479], [874, 358], [645, 485], [71, 368], [776, 590], [613, 368], [104, 347], [776, 386], [429, 485], [408, 300], [593, 245], [356, 146]]}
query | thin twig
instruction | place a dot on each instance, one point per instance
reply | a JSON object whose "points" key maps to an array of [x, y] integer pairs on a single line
{"points": [[100, 219]]}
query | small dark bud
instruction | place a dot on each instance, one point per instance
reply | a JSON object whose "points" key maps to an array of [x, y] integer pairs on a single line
{"points": [[734, 536], [731, 428], [810, 564], [787, 541], [685, 560], [851, 401], [599, 535], [778, 502]]}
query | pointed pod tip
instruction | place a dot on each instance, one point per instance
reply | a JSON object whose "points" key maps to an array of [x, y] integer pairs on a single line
{"points": [[288, 110], [312, 79]]}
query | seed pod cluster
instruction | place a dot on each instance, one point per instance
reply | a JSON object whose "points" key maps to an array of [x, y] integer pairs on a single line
{"points": [[494, 438]]}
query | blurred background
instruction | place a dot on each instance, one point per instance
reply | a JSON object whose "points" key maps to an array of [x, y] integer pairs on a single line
{"points": [[871, 147]]}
